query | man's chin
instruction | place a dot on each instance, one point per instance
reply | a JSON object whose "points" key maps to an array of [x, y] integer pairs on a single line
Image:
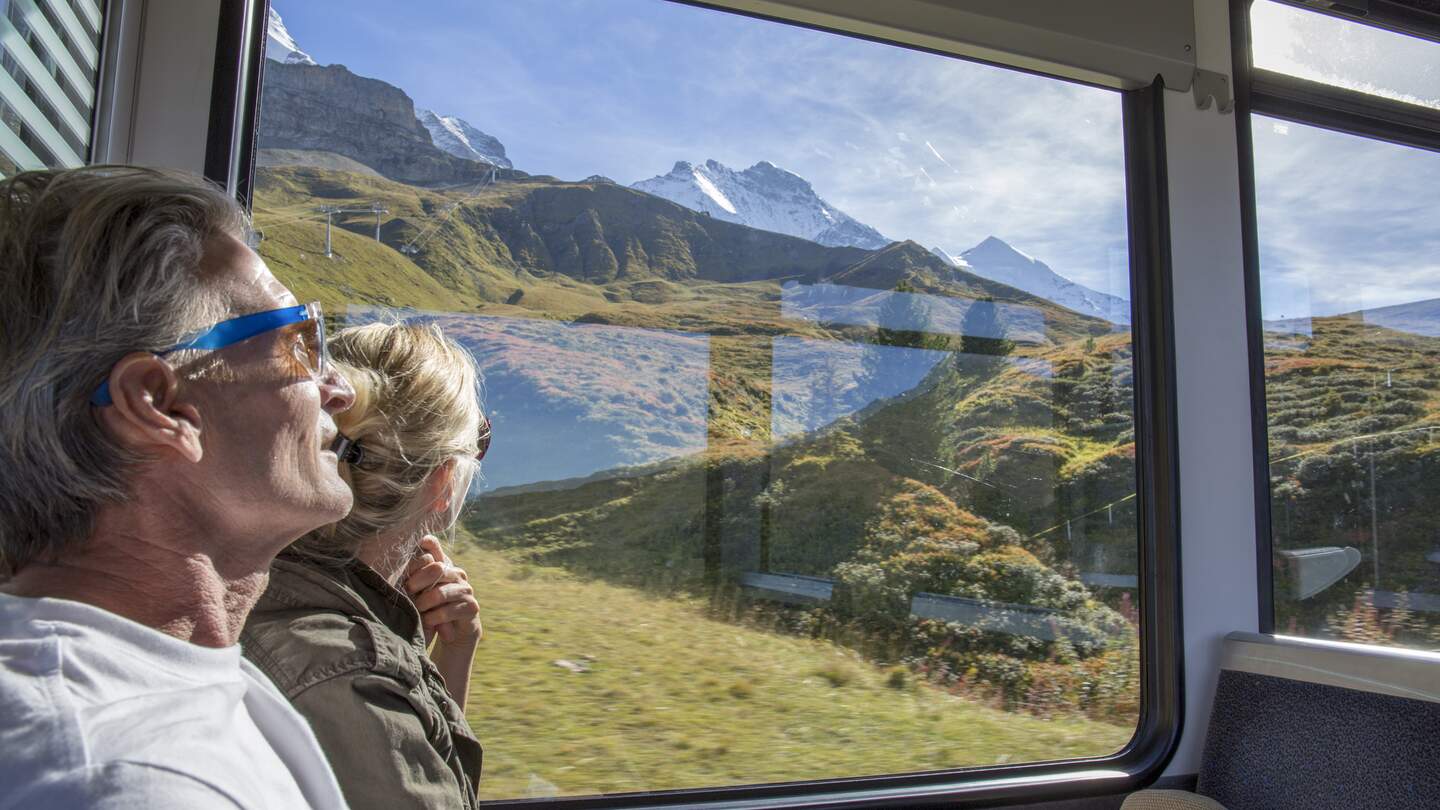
{"points": [[330, 497], [338, 502]]}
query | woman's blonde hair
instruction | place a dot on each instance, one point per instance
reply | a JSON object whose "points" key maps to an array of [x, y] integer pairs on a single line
{"points": [[416, 407]]}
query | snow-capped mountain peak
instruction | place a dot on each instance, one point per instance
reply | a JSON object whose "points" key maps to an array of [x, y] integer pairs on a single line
{"points": [[280, 46], [996, 251], [995, 259], [459, 138], [763, 196]]}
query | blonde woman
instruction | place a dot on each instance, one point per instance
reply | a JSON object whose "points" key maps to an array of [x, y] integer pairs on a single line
{"points": [[351, 608]]}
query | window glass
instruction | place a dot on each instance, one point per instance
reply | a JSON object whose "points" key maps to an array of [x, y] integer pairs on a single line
{"points": [[1350, 295], [809, 366], [1345, 54], [49, 52]]}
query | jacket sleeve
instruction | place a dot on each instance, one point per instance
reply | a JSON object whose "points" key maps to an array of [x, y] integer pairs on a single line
{"points": [[377, 744]]}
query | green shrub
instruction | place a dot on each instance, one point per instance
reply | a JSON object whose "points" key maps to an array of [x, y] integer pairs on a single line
{"points": [[837, 673]]}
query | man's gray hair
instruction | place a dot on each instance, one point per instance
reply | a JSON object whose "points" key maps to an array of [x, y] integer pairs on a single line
{"points": [[95, 263]]}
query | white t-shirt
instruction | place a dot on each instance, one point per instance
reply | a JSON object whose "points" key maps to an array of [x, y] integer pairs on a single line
{"points": [[97, 711]]}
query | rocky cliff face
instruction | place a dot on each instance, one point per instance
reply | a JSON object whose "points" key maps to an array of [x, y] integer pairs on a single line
{"points": [[331, 109]]}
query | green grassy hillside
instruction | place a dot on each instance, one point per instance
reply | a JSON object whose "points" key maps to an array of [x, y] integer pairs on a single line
{"points": [[980, 454], [675, 699], [361, 271], [603, 252], [1354, 410]]}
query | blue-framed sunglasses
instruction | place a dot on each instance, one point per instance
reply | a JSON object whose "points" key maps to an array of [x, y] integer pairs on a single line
{"points": [[235, 330]]}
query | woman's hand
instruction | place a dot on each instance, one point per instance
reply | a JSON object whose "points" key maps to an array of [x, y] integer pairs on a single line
{"points": [[442, 593]]}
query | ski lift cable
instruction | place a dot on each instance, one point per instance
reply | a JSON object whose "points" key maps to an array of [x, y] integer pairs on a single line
{"points": [[1356, 439], [1059, 525], [278, 223], [450, 210], [1063, 523], [956, 472]]}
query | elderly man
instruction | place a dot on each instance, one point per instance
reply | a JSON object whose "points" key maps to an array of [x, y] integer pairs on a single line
{"points": [[165, 425]]}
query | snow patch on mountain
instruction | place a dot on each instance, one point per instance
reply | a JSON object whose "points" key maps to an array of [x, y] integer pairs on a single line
{"points": [[950, 258], [714, 194], [763, 196], [996, 260], [459, 138], [280, 46]]}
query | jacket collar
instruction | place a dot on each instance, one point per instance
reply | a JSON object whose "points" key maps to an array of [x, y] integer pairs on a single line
{"points": [[354, 589]]}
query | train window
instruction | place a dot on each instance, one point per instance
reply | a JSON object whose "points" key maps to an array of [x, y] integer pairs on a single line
{"points": [[1349, 327], [1341, 53], [809, 363], [1351, 307], [50, 52]]}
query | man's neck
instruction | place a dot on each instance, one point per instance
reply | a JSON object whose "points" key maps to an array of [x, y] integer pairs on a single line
{"points": [[158, 579]]}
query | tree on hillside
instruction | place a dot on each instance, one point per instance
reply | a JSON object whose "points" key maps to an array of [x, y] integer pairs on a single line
{"points": [[907, 309], [984, 329], [886, 367]]}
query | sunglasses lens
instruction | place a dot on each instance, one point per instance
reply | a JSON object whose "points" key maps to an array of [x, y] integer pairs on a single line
{"points": [[306, 342], [315, 348], [483, 444]]}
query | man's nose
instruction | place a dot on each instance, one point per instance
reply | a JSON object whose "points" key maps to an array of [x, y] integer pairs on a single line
{"points": [[336, 393]]}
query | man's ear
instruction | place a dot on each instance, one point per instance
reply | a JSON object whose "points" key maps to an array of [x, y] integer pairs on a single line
{"points": [[148, 414]]}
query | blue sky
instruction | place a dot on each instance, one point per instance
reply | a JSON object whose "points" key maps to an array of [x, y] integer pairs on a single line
{"points": [[921, 147]]}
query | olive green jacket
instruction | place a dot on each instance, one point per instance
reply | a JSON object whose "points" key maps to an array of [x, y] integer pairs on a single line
{"points": [[348, 650]]}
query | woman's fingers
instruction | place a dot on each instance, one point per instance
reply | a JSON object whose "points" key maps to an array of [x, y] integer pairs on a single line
{"points": [[434, 574], [430, 544], [462, 611], [417, 562], [442, 594], [424, 577]]}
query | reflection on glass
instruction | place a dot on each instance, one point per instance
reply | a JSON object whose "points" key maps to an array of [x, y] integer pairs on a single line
{"points": [[778, 491], [1338, 52], [1351, 304], [815, 382], [612, 397], [911, 311]]}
